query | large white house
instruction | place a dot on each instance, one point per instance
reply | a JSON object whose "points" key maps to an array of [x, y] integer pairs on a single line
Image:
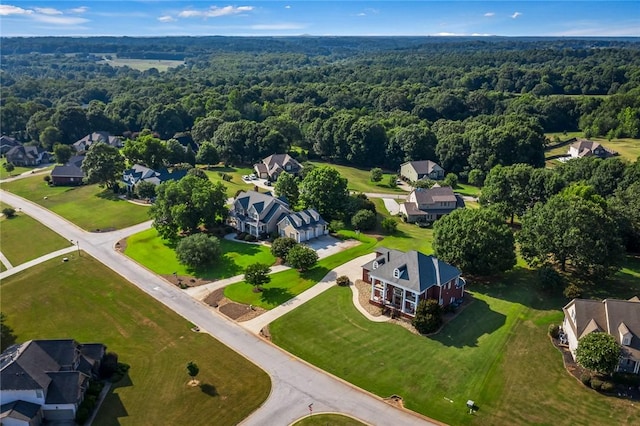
{"points": [[619, 318]]}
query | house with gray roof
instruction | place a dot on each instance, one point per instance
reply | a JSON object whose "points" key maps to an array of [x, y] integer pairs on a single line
{"points": [[619, 318], [587, 148], [139, 173], [46, 379], [70, 173], [303, 225], [271, 167], [83, 145], [400, 280], [256, 213], [6, 143], [26, 155], [429, 205], [414, 171]]}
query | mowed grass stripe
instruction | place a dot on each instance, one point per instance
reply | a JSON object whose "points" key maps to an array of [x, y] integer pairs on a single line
{"points": [[84, 300], [18, 236]]}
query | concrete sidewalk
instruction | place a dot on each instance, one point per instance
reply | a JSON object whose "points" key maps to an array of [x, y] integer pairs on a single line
{"points": [[29, 264], [352, 269], [5, 261]]}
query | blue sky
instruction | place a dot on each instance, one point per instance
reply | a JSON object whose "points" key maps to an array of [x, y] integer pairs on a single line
{"points": [[351, 17]]}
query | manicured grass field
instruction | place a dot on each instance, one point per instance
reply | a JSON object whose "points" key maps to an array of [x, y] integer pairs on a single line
{"points": [[496, 352], [144, 64], [327, 420], [287, 284], [158, 255], [236, 184], [466, 189], [16, 171], [88, 206], [84, 300], [14, 232], [360, 179], [408, 236]]}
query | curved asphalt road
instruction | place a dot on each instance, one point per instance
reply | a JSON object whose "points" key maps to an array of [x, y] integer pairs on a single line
{"points": [[295, 384]]}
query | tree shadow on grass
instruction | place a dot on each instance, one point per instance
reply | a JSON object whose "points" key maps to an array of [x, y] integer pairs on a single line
{"points": [[226, 266], [108, 194], [112, 407], [208, 389], [315, 274], [275, 296], [473, 322]]}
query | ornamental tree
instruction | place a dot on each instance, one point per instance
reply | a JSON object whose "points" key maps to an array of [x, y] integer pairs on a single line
{"points": [[302, 257], [376, 174], [198, 250], [281, 246], [478, 241], [257, 274], [364, 220], [598, 352], [428, 316]]}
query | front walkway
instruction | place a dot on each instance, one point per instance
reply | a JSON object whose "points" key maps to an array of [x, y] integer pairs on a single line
{"points": [[352, 269], [5, 261], [37, 261]]}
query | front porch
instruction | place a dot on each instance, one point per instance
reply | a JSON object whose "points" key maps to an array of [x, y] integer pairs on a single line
{"points": [[387, 295], [628, 365]]}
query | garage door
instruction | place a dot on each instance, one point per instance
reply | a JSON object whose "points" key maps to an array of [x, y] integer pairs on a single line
{"points": [[58, 414]]}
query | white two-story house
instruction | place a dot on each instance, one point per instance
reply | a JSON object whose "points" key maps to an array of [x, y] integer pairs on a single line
{"points": [[429, 205]]}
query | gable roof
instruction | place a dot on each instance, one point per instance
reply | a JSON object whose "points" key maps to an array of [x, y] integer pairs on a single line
{"points": [[266, 206], [277, 162], [138, 173], [587, 147], [25, 151], [436, 194], [68, 170], [7, 142], [609, 316], [304, 219], [423, 167], [101, 136], [19, 410], [418, 271]]}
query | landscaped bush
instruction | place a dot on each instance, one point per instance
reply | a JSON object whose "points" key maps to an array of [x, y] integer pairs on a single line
{"points": [[47, 178], [9, 212], [240, 236], [336, 225], [554, 330], [389, 225], [108, 365], [250, 238], [607, 386], [121, 371], [94, 388], [596, 383], [364, 220], [301, 257], [428, 316], [343, 281], [585, 378], [281, 246]]}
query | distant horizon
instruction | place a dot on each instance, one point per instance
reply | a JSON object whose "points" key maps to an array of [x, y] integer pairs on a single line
{"points": [[351, 18]]}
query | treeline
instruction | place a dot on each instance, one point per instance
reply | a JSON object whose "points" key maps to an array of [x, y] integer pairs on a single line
{"points": [[470, 104]]}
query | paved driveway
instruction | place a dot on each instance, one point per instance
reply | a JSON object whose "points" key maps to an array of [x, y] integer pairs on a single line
{"points": [[328, 245]]}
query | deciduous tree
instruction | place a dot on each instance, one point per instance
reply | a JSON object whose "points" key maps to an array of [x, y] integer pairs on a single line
{"points": [[287, 186], [103, 165], [198, 250], [62, 153], [257, 274], [301, 257], [281, 246], [428, 316], [598, 352], [325, 190]]}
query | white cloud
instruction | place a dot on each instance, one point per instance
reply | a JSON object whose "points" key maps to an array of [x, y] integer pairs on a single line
{"points": [[6, 10], [489, 14], [166, 18], [214, 12], [361, 14], [81, 9], [287, 7], [515, 15], [59, 20], [47, 11]]}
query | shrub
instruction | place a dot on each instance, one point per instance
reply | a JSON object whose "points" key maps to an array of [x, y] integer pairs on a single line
{"points": [[336, 225], [572, 291], [364, 220], [451, 179], [301, 257], [343, 281], [389, 225], [391, 181], [108, 365], [250, 238], [47, 178], [628, 379], [281, 246], [376, 174], [607, 386], [198, 250], [241, 236], [9, 212], [585, 378], [596, 383], [554, 330], [428, 316]]}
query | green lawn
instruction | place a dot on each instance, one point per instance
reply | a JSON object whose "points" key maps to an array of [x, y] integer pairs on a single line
{"points": [[88, 206], [16, 171], [158, 255], [328, 420], [20, 228], [84, 300], [466, 189], [360, 179], [495, 352], [236, 184], [407, 237], [287, 284]]}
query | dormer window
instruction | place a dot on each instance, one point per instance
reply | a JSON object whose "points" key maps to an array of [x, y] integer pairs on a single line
{"points": [[287, 167], [626, 341], [396, 273], [375, 264]]}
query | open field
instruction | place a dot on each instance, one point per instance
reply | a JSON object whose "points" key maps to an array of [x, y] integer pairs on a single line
{"points": [[287, 284], [84, 300], [17, 171], [360, 179], [328, 419], [408, 236], [491, 353], [142, 64], [236, 184], [88, 206], [629, 149], [158, 255], [14, 232]]}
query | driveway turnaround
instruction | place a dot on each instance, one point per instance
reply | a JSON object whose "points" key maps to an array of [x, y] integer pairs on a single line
{"points": [[295, 384]]}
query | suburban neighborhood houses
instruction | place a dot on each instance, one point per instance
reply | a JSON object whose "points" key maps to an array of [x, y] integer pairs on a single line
{"points": [[285, 230]]}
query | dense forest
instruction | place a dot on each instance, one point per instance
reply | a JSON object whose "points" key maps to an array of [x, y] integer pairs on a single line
{"points": [[368, 101]]}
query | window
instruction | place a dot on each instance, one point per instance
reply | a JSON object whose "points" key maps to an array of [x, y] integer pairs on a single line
{"points": [[410, 296], [375, 264], [39, 393], [396, 273], [287, 167]]}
